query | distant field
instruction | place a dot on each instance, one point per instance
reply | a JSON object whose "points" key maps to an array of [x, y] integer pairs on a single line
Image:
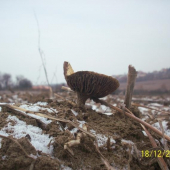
{"points": [[149, 85]]}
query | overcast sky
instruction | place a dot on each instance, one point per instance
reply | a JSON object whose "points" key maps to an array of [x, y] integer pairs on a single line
{"points": [[104, 36]]}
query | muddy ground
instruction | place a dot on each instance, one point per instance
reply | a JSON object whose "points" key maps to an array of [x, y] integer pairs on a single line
{"points": [[123, 152]]}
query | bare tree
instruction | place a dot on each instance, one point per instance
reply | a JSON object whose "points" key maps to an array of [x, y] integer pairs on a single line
{"points": [[23, 83], [6, 80]]}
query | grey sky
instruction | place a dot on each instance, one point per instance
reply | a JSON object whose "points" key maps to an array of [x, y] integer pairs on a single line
{"points": [[104, 36]]}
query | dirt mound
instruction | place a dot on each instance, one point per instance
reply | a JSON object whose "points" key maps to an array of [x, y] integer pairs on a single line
{"points": [[120, 140]]}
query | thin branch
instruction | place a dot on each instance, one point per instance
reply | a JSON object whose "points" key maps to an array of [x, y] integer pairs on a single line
{"points": [[11, 108], [39, 49], [70, 102], [139, 105], [160, 160], [50, 117], [6, 137], [66, 88], [133, 117], [105, 161], [164, 141]]}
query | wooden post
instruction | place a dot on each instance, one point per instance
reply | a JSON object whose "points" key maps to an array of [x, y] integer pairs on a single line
{"points": [[132, 74]]}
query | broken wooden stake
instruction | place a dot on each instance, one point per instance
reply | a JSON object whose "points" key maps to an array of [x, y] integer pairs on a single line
{"points": [[132, 74]]}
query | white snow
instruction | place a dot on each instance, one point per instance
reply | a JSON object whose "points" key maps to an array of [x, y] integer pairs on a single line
{"points": [[94, 107], [102, 139], [166, 108], [155, 104], [74, 112], [4, 157], [35, 108], [108, 114], [65, 167], [43, 119], [143, 110], [81, 123], [74, 130], [20, 129], [127, 141], [6, 103], [103, 109], [144, 133], [164, 124], [41, 103], [120, 100]]}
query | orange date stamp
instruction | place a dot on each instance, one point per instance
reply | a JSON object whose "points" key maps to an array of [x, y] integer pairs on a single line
{"points": [[155, 153]]}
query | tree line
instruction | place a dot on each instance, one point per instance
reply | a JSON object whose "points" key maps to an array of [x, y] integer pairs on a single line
{"points": [[155, 75], [6, 82]]}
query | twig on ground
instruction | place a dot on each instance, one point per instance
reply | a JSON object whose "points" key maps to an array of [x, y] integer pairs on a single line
{"points": [[9, 137], [163, 132], [160, 160], [105, 161], [58, 121], [32, 165], [163, 112], [52, 118], [76, 141], [130, 156], [41, 54], [66, 88], [132, 116], [12, 108], [70, 102]]}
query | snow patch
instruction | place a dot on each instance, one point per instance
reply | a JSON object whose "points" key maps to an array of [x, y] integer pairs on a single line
{"points": [[4, 157], [32, 108], [35, 108], [127, 141], [74, 112], [41, 103], [143, 110], [102, 108], [144, 133], [108, 114], [21, 129], [81, 123], [43, 119], [65, 167], [102, 139], [155, 104], [74, 130], [164, 124]]}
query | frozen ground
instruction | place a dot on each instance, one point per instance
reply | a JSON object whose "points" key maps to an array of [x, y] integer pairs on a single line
{"points": [[97, 125]]}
